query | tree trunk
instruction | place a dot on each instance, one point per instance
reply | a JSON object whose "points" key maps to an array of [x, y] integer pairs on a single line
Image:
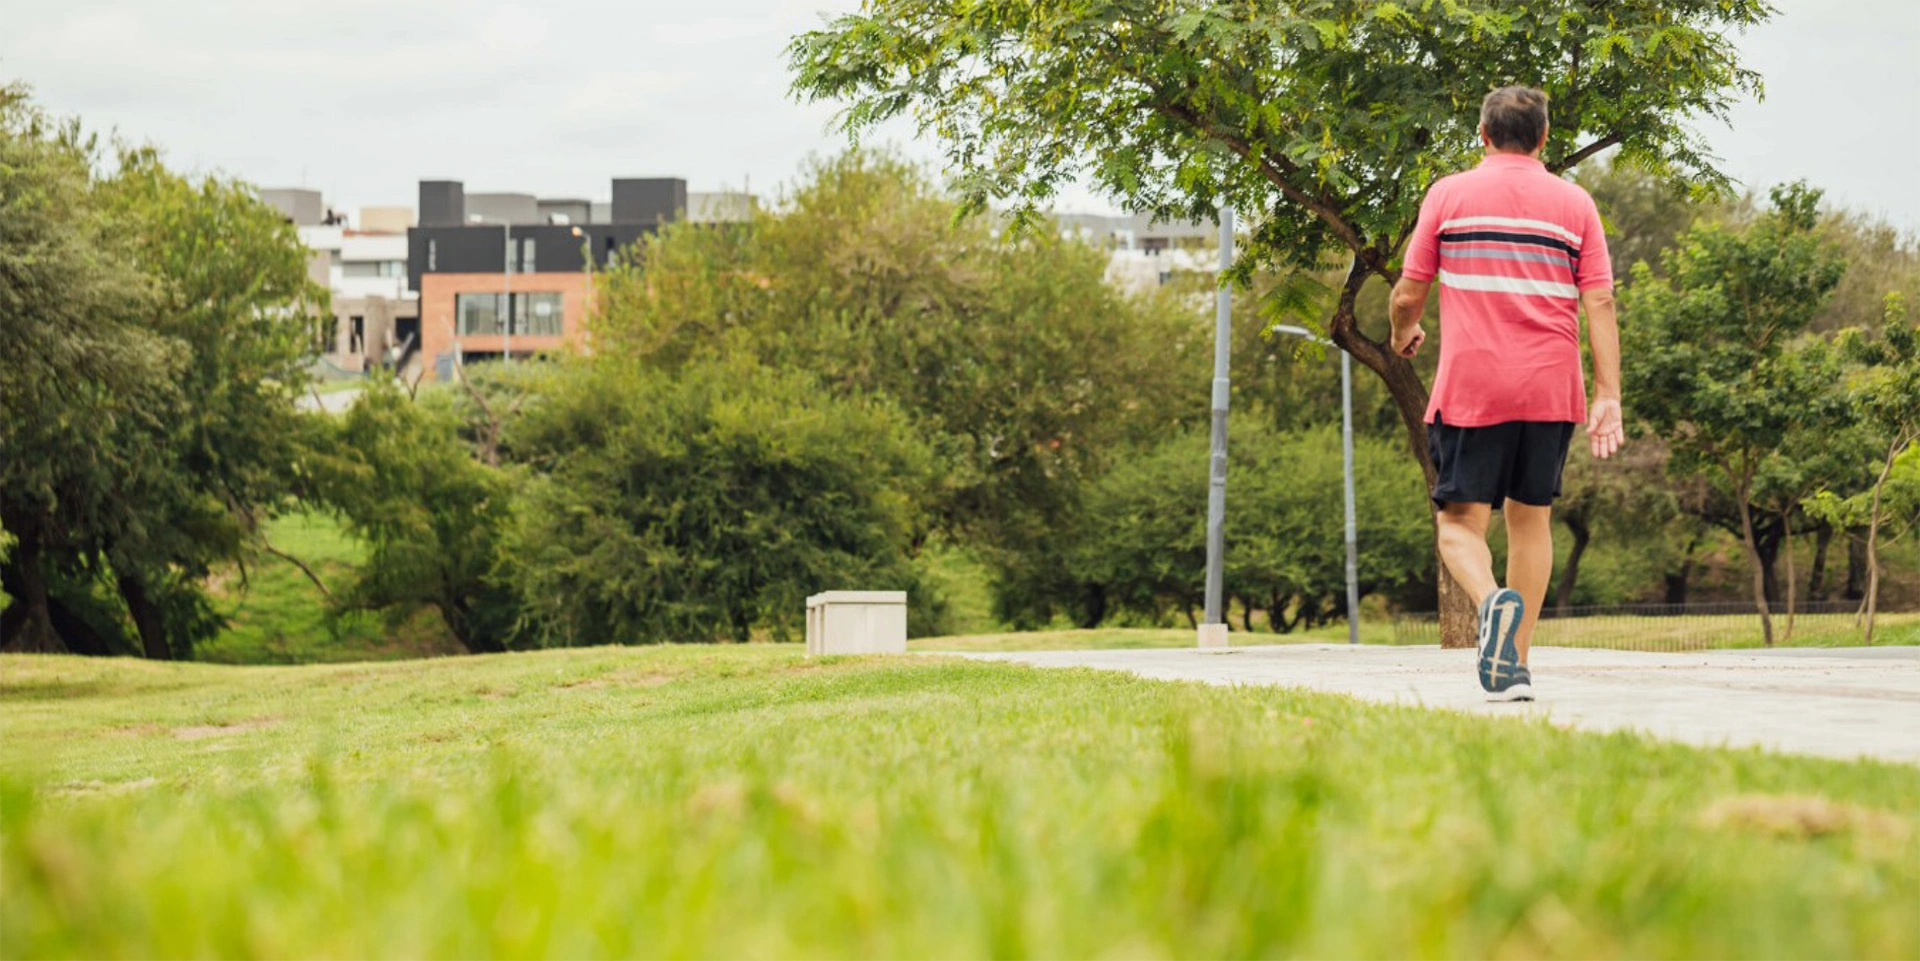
{"points": [[1753, 558], [36, 634], [1817, 578], [146, 618], [1459, 614], [1873, 538], [1677, 580], [1246, 614], [1577, 526], [1856, 567], [1766, 545], [1786, 548]]}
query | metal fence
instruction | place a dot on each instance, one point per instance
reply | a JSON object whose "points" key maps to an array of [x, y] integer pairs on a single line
{"points": [[1689, 627]]}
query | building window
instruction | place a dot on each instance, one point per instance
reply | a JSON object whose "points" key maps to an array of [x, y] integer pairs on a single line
{"points": [[433, 261], [537, 314], [534, 314], [478, 314], [526, 256]]}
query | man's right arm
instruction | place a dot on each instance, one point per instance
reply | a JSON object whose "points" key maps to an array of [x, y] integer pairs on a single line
{"points": [[1422, 263], [1404, 309]]}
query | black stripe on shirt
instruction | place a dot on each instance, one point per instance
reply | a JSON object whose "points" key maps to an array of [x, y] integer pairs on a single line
{"points": [[1463, 236]]}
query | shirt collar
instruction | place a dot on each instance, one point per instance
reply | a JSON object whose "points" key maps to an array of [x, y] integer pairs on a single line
{"points": [[1511, 160]]}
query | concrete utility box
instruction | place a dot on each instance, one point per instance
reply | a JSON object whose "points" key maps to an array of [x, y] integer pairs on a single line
{"points": [[857, 622]]}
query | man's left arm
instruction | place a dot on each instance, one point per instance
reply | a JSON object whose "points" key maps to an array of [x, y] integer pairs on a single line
{"points": [[1605, 431]]}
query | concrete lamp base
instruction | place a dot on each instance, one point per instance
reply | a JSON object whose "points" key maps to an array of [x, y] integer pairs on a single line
{"points": [[1213, 635]]}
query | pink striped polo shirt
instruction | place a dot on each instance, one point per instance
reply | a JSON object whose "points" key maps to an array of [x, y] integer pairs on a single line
{"points": [[1513, 246]]}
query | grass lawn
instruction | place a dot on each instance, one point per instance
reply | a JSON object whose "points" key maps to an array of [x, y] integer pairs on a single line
{"points": [[745, 802], [278, 616]]}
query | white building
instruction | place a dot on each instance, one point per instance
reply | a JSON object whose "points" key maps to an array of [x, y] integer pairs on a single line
{"points": [[376, 319], [1142, 254]]}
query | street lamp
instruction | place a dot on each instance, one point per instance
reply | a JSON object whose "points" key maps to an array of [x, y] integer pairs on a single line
{"points": [[1346, 450], [506, 289], [1213, 632]]}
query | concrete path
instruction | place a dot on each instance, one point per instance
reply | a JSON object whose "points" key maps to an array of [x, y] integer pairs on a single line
{"points": [[1837, 702], [332, 403]]}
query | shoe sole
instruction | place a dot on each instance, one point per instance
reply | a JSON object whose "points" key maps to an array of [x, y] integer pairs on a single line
{"points": [[1509, 609], [1518, 692]]}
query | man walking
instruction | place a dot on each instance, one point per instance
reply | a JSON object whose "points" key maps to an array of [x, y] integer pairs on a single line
{"points": [[1517, 251]]}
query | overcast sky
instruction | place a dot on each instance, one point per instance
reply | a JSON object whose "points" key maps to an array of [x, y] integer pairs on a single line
{"points": [[361, 99]]}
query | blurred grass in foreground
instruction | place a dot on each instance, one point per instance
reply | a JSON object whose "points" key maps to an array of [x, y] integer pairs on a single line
{"points": [[747, 802]]}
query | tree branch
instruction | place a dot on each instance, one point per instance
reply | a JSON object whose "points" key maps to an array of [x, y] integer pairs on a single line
{"points": [[1583, 153], [1274, 167], [297, 562]]}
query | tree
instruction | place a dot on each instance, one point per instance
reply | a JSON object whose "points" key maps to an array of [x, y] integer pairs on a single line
{"points": [[1643, 214], [1886, 396], [1022, 367], [706, 502], [1714, 341], [397, 472], [86, 393], [1287, 556], [1631, 486], [1820, 450], [230, 286], [1322, 121]]}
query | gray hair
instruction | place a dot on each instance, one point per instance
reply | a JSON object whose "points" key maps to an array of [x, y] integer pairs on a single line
{"points": [[1515, 118]]}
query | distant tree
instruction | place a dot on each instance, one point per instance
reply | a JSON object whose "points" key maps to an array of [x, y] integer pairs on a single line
{"points": [[401, 478], [1323, 121], [1644, 214], [86, 392], [1885, 395], [705, 503], [1629, 491], [1286, 550], [1713, 341], [1821, 450], [230, 283], [1025, 371]]}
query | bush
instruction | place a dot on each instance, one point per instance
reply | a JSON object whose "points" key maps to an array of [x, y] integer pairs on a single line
{"points": [[1145, 523], [401, 478], [706, 503]]}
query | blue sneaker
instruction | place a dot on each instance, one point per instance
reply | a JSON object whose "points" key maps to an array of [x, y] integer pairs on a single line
{"points": [[1501, 674]]}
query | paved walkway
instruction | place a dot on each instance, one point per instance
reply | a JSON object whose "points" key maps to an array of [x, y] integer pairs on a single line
{"points": [[1838, 702]]}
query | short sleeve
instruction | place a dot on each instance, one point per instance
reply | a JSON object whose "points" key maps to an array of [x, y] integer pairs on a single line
{"points": [[1596, 264], [1423, 248]]}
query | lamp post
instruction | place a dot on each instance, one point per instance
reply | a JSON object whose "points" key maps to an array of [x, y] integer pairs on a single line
{"points": [[1346, 450], [506, 288], [1213, 632]]}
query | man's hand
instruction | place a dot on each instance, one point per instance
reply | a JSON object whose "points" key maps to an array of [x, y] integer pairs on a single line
{"points": [[1407, 341], [1404, 307], [1604, 432]]}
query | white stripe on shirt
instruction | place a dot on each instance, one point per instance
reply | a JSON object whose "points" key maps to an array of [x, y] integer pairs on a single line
{"points": [[1570, 236], [1508, 285]]}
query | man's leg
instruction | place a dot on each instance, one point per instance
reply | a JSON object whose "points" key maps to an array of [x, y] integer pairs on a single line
{"points": [[1529, 562], [1463, 545]]}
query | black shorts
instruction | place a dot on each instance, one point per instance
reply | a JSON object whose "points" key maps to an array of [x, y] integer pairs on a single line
{"points": [[1487, 465]]}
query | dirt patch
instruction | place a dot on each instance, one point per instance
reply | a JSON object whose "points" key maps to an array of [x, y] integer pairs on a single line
{"points": [[1801, 816], [137, 730], [88, 788], [618, 679], [200, 732]]}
